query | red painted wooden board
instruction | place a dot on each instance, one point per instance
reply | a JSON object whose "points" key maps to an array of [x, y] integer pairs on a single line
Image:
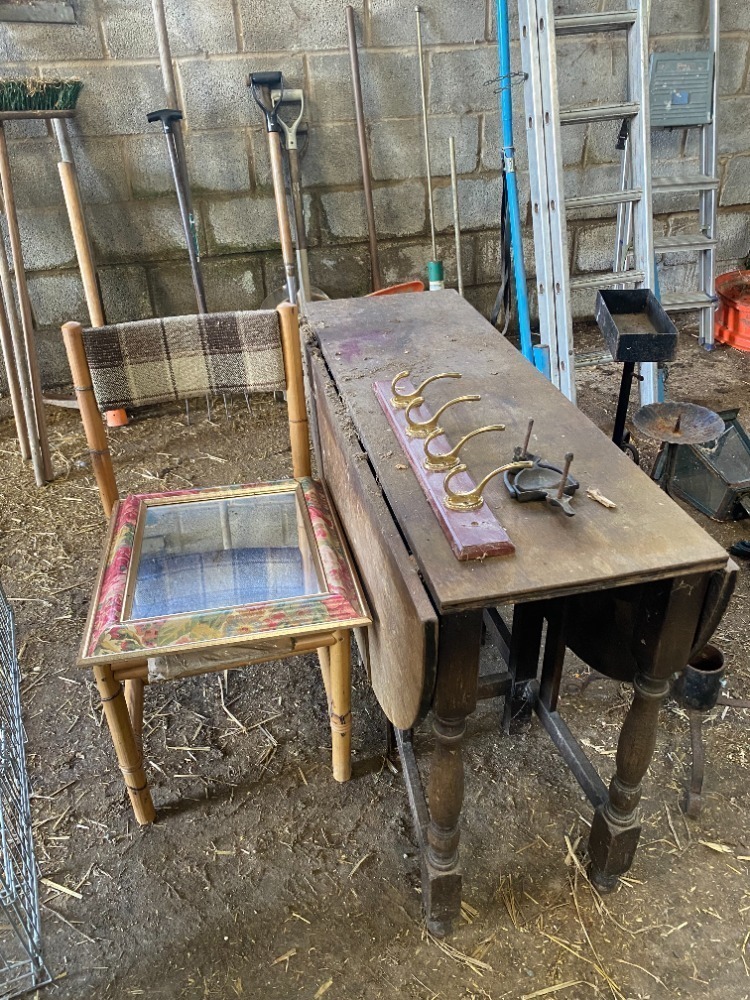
{"points": [[473, 534]]}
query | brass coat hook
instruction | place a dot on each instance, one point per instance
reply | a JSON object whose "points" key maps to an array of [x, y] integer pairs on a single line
{"points": [[402, 400], [473, 499], [417, 429], [441, 463]]}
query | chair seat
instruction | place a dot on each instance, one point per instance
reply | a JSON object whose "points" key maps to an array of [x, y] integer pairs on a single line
{"points": [[205, 569]]}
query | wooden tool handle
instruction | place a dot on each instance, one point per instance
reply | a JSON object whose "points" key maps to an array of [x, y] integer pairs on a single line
{"points": [[81, 240]]}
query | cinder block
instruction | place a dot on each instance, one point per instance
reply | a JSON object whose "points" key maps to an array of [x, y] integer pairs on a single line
{"points": [[580, 182], [129, 28], [115, 99], [137, 231], [668, 143], [444, 22], [33, 167], [53, 364], [733, 124], [216, 92], [34, 43], [125, 294], [407, 261], [217, 162], [591, 72], [482, 297], [288, 25], [397, 148], [390, 86], [57, 299], [734, 236], [479, 200], [489, 252], [101, 169], [341, 272], [673, 17], [733, 65], [329, 156], [463, 80], [572, 139], [45, 238], [594, 248], [400, 210], [230, 285], [241, 224], [736, 187], [735, 16]]}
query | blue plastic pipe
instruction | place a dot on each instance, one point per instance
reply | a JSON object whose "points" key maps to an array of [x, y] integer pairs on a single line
{"points": [[509, 160]]}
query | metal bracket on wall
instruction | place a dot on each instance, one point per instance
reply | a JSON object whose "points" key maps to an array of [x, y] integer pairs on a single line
{"points": [[38, 11]]}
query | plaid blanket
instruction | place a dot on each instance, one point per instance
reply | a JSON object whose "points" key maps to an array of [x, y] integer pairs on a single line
{"points": [[158, 360]]}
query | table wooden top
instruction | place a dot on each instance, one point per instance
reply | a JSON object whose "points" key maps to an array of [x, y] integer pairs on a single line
{"points": [[647, 537]]}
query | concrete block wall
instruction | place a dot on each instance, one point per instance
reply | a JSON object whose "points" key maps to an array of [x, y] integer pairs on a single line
{"points": [[126, 183]]}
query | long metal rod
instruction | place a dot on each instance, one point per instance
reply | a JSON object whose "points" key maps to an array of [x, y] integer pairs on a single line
{"points": [[364, 154], [37, 429], [14, 389], [511, 182], [708, 198], [185, 214], [183, 186], [456, 215], [426, 131]]}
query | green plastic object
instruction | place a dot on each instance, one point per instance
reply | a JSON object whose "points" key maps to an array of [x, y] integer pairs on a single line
{"points": [[435, 275]]}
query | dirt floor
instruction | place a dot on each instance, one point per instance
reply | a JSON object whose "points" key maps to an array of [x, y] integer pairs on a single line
{"points": [[262, 877]]}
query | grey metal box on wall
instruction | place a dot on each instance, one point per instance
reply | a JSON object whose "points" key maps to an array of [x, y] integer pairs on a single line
{"points": [[681, 88]]}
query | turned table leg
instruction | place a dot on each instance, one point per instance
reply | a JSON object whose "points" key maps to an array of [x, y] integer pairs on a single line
{"points": [[663, 634], [455, 698], [127, 747]]}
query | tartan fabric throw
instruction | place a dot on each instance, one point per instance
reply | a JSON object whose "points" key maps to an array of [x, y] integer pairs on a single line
{"points": [[158, 360]]}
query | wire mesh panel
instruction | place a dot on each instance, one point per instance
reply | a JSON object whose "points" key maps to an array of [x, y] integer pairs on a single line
{"points": [[21, 965]]}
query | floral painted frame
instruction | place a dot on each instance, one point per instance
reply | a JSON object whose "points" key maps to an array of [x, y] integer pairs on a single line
{"points": [[111, 638]]}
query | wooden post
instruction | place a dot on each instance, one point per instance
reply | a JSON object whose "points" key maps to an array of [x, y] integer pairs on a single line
{"points": [[101, 460], [129, 755], [340, 705], [455, 698], [662, 639], [23, 298], [299, 434]]}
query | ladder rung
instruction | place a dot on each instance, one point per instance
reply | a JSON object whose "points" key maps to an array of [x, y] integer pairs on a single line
{"points": [[684, 242], [606, 279], [587, 24], [676, 301], [590, 359], [598, 113], [694, 183], [602, 200]]}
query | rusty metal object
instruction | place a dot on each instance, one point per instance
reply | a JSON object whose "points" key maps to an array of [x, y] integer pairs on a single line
{"points": [[678, 423]]}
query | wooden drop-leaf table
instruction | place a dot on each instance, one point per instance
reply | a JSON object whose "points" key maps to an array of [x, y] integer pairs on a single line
{"points": [[632, 590]]}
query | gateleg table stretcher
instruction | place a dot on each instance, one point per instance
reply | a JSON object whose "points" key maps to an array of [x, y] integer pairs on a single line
{"points": [[633, 591]]}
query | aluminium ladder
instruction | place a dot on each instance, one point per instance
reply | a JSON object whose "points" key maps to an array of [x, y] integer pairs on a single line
{"points": [[539, 29], [687, 92]]}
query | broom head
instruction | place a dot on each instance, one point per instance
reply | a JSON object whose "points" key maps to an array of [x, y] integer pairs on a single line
{"points": [[39, 95]]}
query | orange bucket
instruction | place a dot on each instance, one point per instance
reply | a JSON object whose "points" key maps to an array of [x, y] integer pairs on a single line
{"points": [[732, 318]]}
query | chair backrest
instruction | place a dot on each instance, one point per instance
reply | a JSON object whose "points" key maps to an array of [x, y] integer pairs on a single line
{"points": [[154, 361]]}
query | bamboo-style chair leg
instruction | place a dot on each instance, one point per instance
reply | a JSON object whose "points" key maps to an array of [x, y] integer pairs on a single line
{"points": [[128, 752], [339, 705], [134, 699]]}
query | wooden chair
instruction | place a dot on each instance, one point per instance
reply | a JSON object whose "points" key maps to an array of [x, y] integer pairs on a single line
{"points": [[195, 581]]}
